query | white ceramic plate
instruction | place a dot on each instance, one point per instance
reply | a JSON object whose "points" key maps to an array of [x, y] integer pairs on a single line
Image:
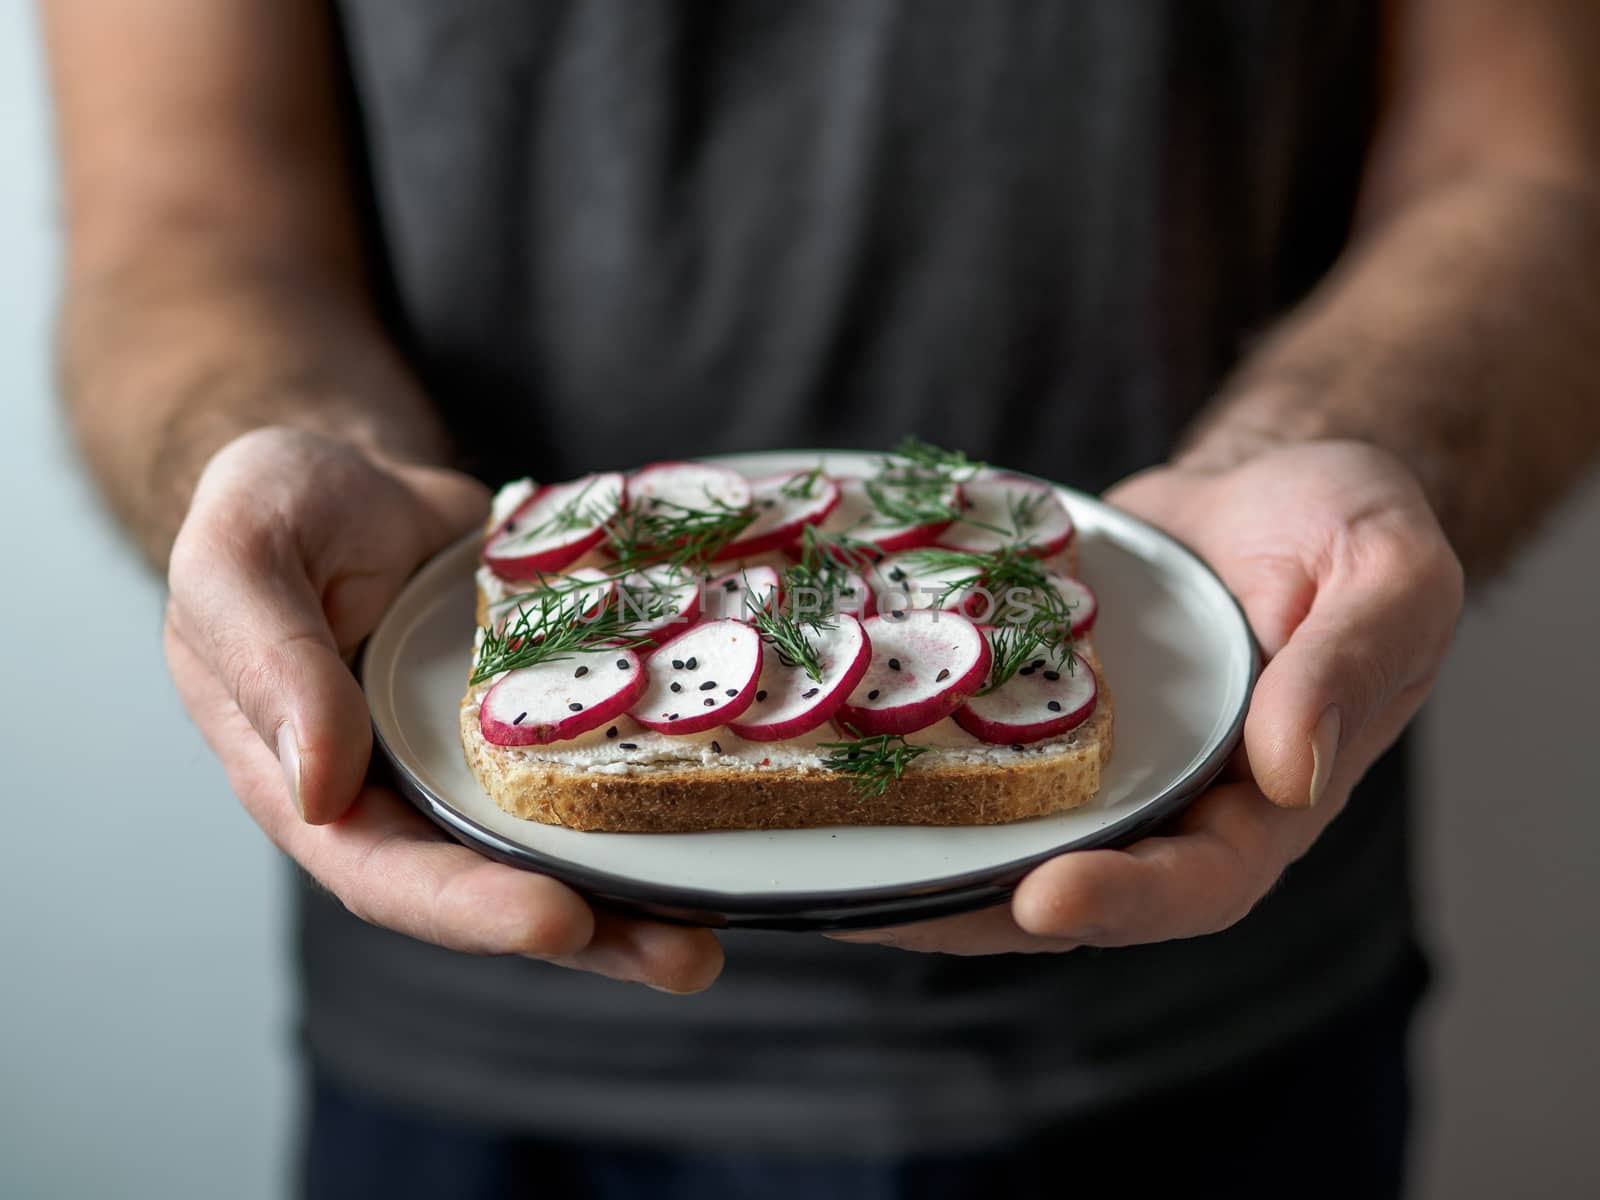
{"points": [[1177, 652]]}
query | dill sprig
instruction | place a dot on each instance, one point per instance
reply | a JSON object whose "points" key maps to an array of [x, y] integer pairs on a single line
{"points": [[786, 634], [547, 630], [915, 485], [828, 553], [576, 514], [1023, 508], [872, 762], [1031, 618], [803, 486], [673, 534]]}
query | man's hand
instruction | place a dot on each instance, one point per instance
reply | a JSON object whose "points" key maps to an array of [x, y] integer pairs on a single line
{"points": [[293, 546], [1353, 593]]}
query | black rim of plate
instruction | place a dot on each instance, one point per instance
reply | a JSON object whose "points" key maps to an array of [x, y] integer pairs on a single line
{"points": [[837, 909]]}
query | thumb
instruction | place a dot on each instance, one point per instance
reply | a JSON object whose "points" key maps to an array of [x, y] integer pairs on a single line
{"points": [[257, 623], [1347, 680]]}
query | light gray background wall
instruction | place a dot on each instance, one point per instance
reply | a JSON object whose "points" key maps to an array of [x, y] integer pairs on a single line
{"points": [[144, 1014]]}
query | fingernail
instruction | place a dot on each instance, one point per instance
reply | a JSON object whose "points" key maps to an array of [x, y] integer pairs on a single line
{"points": [[1324, 745], [289, 757], [866, 937]]}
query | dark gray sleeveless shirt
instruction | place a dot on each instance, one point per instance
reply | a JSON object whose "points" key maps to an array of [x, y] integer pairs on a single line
{"points": [[1039, 230]]}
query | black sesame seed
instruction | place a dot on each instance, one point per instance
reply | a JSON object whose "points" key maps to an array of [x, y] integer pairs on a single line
{"points": [[628, 745], [691, 664], [676, 686], [710, 701], [708, 685], [622, 664], [733, 691], [1054, 706], [1037, 663], [1027, 670], [575, 707], [519, 719], [896, 574], [716, 748], [1053, 676], [761, 695], [894, 664], [898, 614], [672, 716], [730, 585], [811, 693], [1016, 745], [580, 672], [849, 591], [873, 694], [511, 526], [677, 664], [612, 732], [944, 673]]}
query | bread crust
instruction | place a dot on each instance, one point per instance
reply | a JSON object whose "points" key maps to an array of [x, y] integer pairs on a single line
{"points": [[688, 799]]}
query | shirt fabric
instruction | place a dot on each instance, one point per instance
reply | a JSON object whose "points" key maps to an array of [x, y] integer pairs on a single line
{"points": [[1038, 231]]}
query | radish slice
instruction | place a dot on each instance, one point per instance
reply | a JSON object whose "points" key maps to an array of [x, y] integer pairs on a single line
{"points": [[659, 598], [575, 596], [788, 702], [1008, 510], [925, 662], [1041, 700], [781, 514], [856, 516], [736, 594], [700, 679], [561, 698], [906, 582], [686, 485], [554, 527]]}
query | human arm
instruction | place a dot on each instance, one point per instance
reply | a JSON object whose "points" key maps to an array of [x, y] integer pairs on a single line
{"points": [[1421, 409], [249, 420]]}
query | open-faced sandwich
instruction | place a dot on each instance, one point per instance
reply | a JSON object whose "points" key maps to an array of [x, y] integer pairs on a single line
{"points": [[685, 648]]}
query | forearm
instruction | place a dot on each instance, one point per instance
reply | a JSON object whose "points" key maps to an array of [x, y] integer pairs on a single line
{"points": [[1463, 335], [170, 356]]}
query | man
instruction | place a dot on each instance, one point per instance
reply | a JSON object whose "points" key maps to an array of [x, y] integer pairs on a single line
{"points": [[1325, 270]]}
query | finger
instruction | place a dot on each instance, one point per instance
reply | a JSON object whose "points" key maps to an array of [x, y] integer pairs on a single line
{"points": [[1355, 669], [988, 931], [1229, 849], [680, 959]]}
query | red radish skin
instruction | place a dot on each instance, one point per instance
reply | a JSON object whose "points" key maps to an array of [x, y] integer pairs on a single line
{"points": [[528, 543], [1018, 711], [902, 690], [692, 485], [728, 595], [638, 590], [987, 519], [780, 517], [534, 706], [854, 515], [789, 702], [716, 666]]}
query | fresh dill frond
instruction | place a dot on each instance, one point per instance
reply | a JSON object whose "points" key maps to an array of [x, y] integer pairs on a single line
{"points": [[786, 634], [803, 486], [924, 456], [674, 534], [545, 629], [579, 513], [1030, 617], [872, 763], [1023, 508]]}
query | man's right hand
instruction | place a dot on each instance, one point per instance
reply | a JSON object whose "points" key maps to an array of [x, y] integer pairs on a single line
{"points": [[293, 547]]}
